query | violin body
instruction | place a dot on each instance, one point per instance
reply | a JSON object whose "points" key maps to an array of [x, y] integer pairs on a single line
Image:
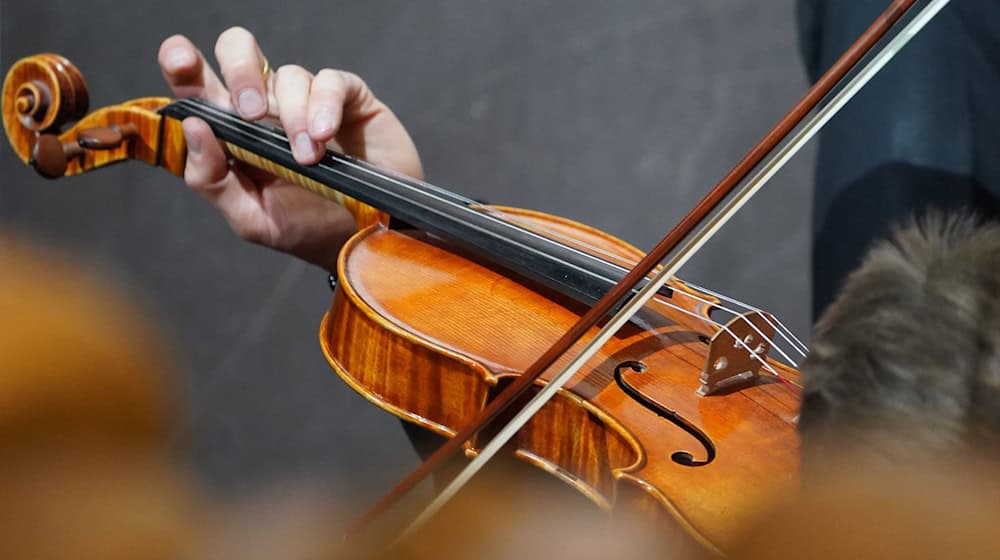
{"points": [[431, 335]]}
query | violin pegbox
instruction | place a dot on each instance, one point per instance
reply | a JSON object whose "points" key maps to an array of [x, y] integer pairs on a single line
{"points": [[44, 92]]}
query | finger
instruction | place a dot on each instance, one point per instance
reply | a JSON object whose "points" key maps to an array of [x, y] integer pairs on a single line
{"points": [[291, 90], [326, 104], [207, 165], [340, 103], [188, 74], [242, 67], [207, 171], [359, 103], [231, 192]]}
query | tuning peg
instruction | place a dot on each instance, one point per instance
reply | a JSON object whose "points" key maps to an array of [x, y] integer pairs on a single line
{"points": [[106, 137], [50, 157]]}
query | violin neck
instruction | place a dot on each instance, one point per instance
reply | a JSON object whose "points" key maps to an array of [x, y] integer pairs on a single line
{"points": [[574, 273]]}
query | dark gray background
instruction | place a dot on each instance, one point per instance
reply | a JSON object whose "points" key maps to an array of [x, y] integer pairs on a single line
{"points": [[617, 114]]}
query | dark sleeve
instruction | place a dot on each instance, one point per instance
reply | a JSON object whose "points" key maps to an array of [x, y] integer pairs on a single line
{"points": [[809, 15], [981, 18]]}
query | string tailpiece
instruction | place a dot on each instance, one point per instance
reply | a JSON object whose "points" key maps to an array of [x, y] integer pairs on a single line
{"points": [[736, 353]]}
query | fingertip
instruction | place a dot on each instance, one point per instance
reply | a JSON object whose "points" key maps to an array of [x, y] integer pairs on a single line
{"points": [[172, 41], [326, 102], [251, 104], [177, 55], [180, 61], [322, 127], [206, 162], [195, 131], [242, 63], [237, 32], [305, 150]]}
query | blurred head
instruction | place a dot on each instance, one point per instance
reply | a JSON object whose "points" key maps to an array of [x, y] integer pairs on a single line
{"points": [[86, 408], [883, 513], [905, 365]]}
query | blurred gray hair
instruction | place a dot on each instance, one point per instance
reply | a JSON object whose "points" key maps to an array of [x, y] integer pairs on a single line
{"points": [[905, 364]]}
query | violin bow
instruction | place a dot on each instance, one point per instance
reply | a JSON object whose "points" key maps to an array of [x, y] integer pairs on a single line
{"points": [[687, 237]]}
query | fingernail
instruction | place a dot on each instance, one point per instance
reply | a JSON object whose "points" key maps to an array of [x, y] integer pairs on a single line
{"points": [[304, 145], [250, 102], [178, 58], [322, 122], [193, 145]]}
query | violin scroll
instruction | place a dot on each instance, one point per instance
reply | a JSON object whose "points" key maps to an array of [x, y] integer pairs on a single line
{"points": [[45, 92]]}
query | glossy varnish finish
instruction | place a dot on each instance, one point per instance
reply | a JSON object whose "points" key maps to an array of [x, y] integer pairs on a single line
{"points": [[694, 223], [44, 92], [431, 335], [428, 335], [363, 214]]}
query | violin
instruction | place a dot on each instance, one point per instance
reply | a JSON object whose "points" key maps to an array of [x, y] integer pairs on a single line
{"points": [[442, 303], [484, 291]]}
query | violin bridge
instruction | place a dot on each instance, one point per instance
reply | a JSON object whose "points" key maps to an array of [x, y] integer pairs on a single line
{"points": [[736, 353]]}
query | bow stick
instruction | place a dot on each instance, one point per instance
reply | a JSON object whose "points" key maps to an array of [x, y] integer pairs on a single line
{"points": [[701, 215]]}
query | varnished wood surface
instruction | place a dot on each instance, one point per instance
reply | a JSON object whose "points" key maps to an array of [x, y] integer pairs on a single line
{"points": [[363, 214], [44, 92], [429, 335], [695, 221], [41, 92], [595, 241]]}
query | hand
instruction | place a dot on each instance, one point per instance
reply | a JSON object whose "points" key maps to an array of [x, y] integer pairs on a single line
{"points": [[332, 108]]}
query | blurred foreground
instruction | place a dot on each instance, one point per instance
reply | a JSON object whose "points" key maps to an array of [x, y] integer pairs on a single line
{"points": [[86, 413]]}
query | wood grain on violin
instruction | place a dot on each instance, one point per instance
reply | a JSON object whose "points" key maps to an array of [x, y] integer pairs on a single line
{"points": [[44, 92], [428, 335], [448, 310], [428, 325]]}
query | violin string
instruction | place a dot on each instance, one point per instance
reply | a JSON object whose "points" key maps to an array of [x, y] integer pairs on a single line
{"points": [[564, 375], [540, 398], [594, 249], [282, 142], [796, 342], [823, 115], [781, 332], [787, 334], [683, 253], [467, 204], [442, 196], [604, 378], [839, 100], [740, 342], [742, 316], [791, 339]]}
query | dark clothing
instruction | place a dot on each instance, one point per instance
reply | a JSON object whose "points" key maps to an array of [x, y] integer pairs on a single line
{"points": [[924, 133]]}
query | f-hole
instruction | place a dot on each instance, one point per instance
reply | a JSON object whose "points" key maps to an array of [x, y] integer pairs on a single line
{"points": [[680, 457]]}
